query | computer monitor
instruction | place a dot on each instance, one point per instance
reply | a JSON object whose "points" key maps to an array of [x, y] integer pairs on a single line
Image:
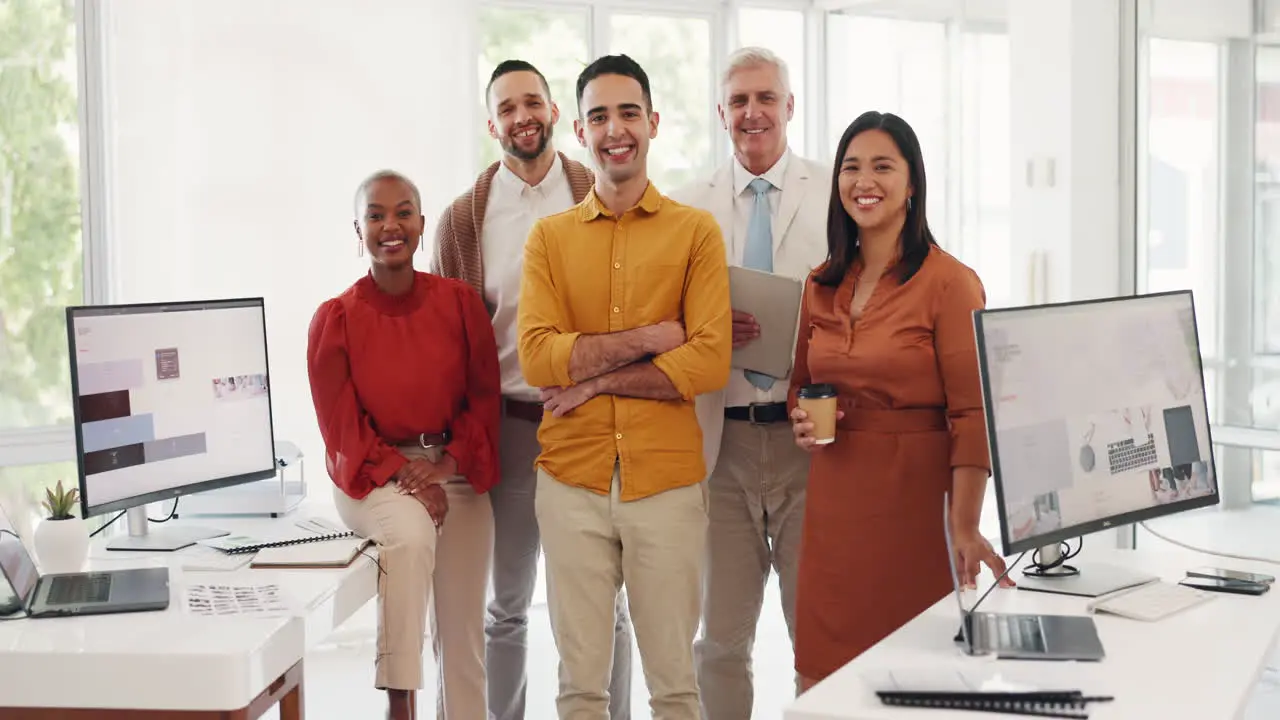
{"points": [[169, 399], [1096, 417]]}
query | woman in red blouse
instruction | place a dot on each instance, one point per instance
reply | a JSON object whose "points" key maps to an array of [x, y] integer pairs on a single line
{"points": [[404, 377]]}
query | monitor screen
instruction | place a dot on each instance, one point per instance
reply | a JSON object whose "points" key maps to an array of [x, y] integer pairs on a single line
{"points": [[169, 399], [1096, 414]]}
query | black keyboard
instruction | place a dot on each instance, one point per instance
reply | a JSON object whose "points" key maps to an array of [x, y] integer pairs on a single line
{"points": [[79, 589]]}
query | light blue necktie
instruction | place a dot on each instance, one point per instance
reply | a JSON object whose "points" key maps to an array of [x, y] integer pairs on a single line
{"points": [[758, 253]]}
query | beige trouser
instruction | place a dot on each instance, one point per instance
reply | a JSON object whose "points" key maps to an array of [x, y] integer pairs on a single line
{"points": [[414, 559], [757, 494], [596, 544]]}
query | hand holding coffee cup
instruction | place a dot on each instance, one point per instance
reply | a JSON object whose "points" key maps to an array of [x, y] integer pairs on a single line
{"points": [[814, 418]]}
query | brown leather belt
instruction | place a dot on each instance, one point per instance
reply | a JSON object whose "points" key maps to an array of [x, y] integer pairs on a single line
{"points": [[523, 410]]}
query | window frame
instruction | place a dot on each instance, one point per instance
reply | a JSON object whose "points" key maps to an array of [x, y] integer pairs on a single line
{"points": [[1235, 436], [56, 443]]}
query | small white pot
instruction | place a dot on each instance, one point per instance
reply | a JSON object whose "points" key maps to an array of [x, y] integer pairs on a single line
{"points": [[62, 546]]}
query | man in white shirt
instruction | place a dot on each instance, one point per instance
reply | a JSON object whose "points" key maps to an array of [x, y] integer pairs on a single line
{"points": [[480, 238], [772, 207]]}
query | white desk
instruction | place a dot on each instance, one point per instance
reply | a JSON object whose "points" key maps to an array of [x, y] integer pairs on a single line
{"points": [[174, 663], [1202, 663]]}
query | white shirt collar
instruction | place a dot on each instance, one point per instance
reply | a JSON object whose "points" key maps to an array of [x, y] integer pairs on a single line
{"points": [[743, 177], [550, 181]]}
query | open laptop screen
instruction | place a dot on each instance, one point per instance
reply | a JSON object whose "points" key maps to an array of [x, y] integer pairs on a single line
{"points": [[965, 628], [15, 562]]}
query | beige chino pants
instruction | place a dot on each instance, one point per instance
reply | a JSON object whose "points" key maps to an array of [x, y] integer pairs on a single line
{"points": [[655, 547], [416, 560]]}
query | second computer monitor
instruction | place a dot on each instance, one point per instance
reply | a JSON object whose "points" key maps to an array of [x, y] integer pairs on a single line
{"points": [[1096, 415], [170, 399]]}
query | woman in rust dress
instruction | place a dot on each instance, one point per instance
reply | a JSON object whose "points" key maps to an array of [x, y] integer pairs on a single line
{"points": [[886, 319]]}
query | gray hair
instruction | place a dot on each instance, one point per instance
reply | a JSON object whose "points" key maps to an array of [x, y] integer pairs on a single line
{"points": [[362, 192], [753, 56]]}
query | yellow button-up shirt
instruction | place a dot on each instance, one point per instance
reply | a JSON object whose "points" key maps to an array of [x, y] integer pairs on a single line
{"points": [[588, 271]]}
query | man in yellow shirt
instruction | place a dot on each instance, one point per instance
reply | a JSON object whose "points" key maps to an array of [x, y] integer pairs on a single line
{"points": [[624, 319]]}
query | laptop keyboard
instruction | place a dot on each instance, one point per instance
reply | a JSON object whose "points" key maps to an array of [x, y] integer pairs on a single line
{"points": [[79, 589], [1020, 633]]}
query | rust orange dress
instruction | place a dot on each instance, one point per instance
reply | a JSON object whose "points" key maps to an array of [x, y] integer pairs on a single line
{"points": [[873, 554]]}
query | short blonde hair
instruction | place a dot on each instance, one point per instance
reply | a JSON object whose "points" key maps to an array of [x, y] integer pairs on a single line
{"points": [[753, 56], [362, 191]]}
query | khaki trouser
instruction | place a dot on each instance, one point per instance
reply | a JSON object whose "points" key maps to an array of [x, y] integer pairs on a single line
{"points": [[414, 559], [595, 545], [756, 494], [515, 572]]}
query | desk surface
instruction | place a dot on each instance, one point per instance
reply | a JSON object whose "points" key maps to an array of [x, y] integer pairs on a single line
{"points": [[174, 659], [1201, 663]]}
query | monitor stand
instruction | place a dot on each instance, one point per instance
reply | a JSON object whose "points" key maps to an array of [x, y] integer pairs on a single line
{"points": [[1091, 581], [142, 537]]}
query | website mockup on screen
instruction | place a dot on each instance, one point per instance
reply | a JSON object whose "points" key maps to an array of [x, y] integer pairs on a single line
{"points": [[170, 396], [1098, 410]]}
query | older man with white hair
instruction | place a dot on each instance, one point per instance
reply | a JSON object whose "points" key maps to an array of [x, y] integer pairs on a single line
{"points": [[772, 208]]}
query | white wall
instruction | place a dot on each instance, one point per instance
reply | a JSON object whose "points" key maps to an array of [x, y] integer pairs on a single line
{"points": [[235, 147]]}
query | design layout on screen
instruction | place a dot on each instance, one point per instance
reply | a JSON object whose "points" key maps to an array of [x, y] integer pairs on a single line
{"points": [[171, 399], [1099, 410]]}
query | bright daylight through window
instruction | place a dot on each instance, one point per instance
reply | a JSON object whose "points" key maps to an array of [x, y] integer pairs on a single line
{"points": [[40, 246], [40, 257]]}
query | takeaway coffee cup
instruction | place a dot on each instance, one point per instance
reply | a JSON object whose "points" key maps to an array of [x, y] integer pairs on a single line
{"points": [[819, 403]]}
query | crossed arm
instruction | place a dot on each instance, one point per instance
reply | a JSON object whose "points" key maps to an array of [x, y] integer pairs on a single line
{"points": [[615, 364], [657, 362]]}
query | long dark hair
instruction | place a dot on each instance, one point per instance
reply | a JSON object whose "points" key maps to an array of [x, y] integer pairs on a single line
{"points": [[842, 231]]}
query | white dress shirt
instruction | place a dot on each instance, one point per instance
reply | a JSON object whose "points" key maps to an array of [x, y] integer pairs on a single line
{"points": [[512, 209], [740, 391]]}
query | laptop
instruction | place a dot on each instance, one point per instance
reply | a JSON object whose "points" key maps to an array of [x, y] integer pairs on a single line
{"points": [[86, 593], [1011, 636]]}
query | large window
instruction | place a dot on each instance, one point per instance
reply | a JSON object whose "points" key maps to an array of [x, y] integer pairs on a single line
{"points": [[1207, 102], [1267, 148], [236, 139], [782, 31], [896, 66], [40, 248], [985, 241], [1179, 240], [556, 42], [675, 53], [1264, 399]]}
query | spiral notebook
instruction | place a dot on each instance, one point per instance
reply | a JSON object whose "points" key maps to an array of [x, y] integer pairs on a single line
{"points": [[329, 554], [980, 688], [237, 544], [1065, 704]]}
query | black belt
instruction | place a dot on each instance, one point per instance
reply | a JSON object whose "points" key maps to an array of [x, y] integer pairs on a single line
{"points": [[758, 413], [430, 440]]}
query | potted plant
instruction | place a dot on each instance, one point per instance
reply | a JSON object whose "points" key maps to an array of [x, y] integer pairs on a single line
{"points": [[61, 540]]}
